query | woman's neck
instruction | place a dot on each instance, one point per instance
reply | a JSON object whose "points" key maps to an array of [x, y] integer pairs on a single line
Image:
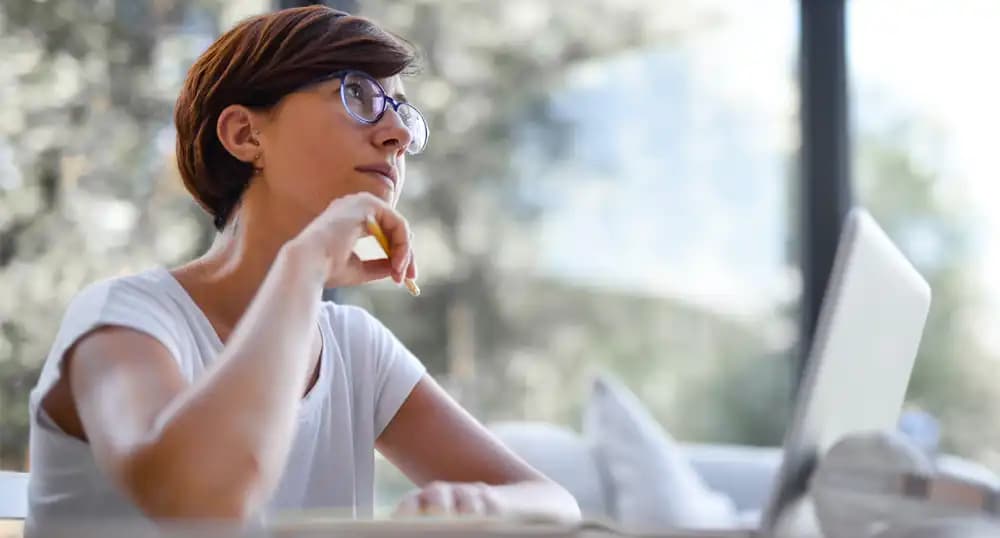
{"points": [[225, 279]]}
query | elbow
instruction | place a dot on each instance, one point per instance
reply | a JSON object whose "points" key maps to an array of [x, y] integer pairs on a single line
{"points": [[169, 484]]}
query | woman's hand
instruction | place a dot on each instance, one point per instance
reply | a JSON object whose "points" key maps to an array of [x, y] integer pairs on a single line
{"points": [[452, 499], [531, 500], [332, 235], [461, 468]]}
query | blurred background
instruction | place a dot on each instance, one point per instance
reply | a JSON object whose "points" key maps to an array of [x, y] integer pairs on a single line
{"points": [[622, 186]]}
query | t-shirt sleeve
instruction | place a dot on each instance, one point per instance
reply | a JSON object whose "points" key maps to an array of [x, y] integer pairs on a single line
{"points": [[396, 370], [108, 303]]}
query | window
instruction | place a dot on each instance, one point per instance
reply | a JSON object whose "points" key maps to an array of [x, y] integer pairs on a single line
{"points": [[924, 115], [616, 201]]}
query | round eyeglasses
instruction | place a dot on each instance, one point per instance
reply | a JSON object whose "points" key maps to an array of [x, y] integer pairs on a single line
{"points": [[366, 101]]}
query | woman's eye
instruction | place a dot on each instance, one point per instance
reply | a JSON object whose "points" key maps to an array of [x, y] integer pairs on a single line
{"points": [[354, 91]]}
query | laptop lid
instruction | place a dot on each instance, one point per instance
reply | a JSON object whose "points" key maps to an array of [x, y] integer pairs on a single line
{"points": [[862, 354]]}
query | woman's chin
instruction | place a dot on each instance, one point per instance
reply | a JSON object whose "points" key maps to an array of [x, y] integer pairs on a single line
{"points": [[382, 192], [386, 194]]}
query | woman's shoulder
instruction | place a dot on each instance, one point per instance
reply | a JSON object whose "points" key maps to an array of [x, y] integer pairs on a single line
{"points": [[146, 290], [349, 319], [357, 332], [144, 301], [360, 334]]}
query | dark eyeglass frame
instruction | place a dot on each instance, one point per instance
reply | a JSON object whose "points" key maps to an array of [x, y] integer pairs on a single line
{"points": [[387, 101]]}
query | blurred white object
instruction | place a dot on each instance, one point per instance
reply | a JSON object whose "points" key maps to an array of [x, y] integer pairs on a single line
{"points": [[13, 495], [656, 486], [871, 484], [742, 473], [922, 428], [945, 528], [852, 484]]}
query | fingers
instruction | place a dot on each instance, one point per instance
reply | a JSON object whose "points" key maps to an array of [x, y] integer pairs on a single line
{"points": [[391, 231], [411, 266], [388, 226], [409, 506], [468, 500], [364, 271], [376, 269], [397, 237], [436, 499], [442, 499]]}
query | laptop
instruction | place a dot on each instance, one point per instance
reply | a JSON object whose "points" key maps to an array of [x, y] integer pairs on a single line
{"points": [[858, 368], [859, 365]]}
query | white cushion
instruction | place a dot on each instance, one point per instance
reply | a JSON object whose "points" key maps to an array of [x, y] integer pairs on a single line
{"points": [[746, 474], [561, 455], [655, 486]]}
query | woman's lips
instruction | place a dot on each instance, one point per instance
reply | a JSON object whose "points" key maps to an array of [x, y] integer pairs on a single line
{"points": [[388, 180]]}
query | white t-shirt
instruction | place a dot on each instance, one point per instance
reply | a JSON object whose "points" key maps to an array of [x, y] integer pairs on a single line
{"points": [[365, 375]]}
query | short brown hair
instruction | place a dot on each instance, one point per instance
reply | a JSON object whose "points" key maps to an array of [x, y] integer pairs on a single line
{"points": [[257, 63]]}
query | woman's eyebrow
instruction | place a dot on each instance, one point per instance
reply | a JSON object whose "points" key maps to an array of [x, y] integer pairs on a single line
{"points": [[400, 97]]}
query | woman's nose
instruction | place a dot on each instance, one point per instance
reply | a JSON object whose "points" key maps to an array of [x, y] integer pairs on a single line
{"points": [[394, 132]]}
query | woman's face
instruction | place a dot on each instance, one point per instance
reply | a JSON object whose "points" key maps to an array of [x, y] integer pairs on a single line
{"points": [[314, 151]]}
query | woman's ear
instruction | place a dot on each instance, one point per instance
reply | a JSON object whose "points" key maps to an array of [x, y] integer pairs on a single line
{"points": [[237, 133]]}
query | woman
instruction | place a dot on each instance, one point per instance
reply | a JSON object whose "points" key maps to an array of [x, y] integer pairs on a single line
{"points": [[225, 388]]}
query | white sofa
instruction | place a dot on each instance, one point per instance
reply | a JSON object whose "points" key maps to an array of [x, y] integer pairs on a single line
{"points": [[744, 474], [624, 467]]}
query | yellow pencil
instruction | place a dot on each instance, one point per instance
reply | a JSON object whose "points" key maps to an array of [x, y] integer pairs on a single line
{"points": [[376, 230]]}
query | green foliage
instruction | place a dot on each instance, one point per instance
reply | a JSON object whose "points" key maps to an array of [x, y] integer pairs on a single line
{"points": [[953, 377]]}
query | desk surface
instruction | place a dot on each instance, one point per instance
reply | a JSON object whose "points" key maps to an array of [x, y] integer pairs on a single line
{"points": [[363, 529]]}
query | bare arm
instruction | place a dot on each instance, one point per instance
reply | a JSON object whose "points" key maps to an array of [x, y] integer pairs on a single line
{"points": [[217, 448], [461, 468]]}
